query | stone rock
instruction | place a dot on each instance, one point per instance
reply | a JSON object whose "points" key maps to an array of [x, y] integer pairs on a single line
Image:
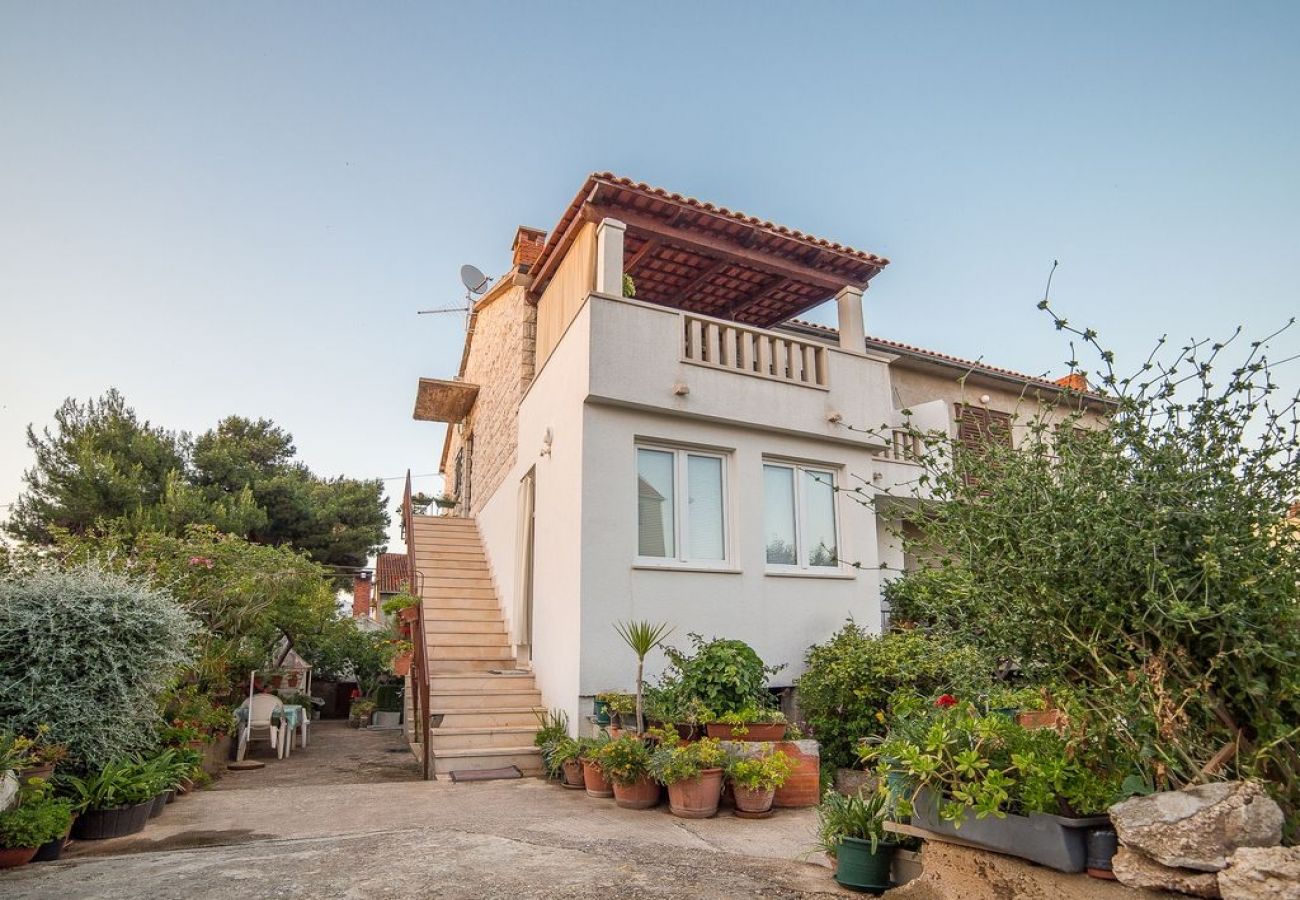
{"points": [[1262, 873], [1136, 870], [1199, 827]]}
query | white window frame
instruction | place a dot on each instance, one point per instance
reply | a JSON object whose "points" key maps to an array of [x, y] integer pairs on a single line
{"points": [[681, 521], [802, 566]]}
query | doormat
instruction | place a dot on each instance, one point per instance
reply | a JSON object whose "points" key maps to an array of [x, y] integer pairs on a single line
{"points": [[486, 774]]}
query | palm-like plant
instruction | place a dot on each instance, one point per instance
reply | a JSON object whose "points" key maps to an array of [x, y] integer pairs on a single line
{"points": [[641, 637]]}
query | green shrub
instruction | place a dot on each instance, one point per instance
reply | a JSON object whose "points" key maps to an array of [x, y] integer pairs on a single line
{"points": [[122, 782], [844, 692], [398, 602], [89, 653], [721, 675], [39, 817]]}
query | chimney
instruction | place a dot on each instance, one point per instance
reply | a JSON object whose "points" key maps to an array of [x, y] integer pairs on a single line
{"points": [[361, 596], [528, 245], [1075, 381]]}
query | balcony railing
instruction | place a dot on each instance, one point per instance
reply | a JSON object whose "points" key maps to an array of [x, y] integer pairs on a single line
{"points": [[752, 351], [904, 445]]}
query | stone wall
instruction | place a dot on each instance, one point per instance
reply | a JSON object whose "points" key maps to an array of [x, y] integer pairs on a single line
{"points": [[500, 361]]}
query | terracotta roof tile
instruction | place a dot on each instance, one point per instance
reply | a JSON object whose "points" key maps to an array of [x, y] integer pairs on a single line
{"points": [[391, 572]]}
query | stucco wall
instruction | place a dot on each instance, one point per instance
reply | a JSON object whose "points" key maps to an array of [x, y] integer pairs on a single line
{"points": [[780, 616]]}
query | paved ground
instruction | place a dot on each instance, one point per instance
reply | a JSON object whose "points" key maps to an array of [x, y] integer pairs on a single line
{"points": [[315, 826]]}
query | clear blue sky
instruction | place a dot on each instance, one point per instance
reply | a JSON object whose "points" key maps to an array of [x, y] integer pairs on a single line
{"points": [[238, 207]]}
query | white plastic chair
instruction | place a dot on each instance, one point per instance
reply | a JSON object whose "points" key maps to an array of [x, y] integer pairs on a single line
{"points": [[261, 709]]}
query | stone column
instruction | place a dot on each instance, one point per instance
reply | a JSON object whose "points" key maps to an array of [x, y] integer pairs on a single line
{"points": [[609, 257], [853, 336]]}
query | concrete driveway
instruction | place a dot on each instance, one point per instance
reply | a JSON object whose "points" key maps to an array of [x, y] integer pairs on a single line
{"points": [[312, 826]]}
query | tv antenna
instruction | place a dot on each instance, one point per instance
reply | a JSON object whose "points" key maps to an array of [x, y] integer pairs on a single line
{"points": [[475, 284]]}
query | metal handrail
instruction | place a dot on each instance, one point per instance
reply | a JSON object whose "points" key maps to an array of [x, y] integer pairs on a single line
{"points": [[421, 656]]}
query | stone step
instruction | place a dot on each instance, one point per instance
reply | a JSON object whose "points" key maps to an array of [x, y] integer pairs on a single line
{"points": [[491, 614], [497, 653], [468, 627], [444, 738], [453, 581], [471, 700], [455, 592], [470, 666], [492, 641], [490, 718], [527, 758], [433, 604], [482, 682]]}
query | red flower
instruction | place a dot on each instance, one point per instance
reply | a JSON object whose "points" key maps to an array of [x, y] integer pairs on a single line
{"points": [[945, 701], [201, 561]]}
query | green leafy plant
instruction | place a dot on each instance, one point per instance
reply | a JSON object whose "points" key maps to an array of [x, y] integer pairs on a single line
{"points": [[988, 765], [848, 680], [840, 816], [764, 772], [629, 286], [619, 703], [624, 760], [122, 782], [398, 602], [589, 747], [641, 637], [38, 817], [751, 715], [722, 675], [673, 761], [553, 728], [1162, 579], [563, 750]]}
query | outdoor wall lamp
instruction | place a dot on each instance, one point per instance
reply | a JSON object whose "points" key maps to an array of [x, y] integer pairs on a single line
{"points": [[547, 438]]}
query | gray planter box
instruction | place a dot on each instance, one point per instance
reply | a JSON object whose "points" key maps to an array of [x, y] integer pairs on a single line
{"points": [[1053, 841]]}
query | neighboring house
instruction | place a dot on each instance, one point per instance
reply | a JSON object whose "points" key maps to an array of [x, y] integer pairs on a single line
{"points": [[672, 457], [371, 589]]}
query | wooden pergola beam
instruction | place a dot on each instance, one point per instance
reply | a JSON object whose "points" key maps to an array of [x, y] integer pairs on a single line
{"points": [[648, 246], [758, 296], [647, 226], [693, 285]]}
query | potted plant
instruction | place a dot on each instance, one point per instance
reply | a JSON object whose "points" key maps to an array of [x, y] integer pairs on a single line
{"points": [[404, 605], [641, 638], [567, 756], [626, 763], [754, 780], [403, 653], [35, 756], [851, 830], [112, 802], [621, 706], [39, 818], [594, 778], [360, 712], [1032, 793], [553, 728], [692, 772], [750, 723], [445, 501]]}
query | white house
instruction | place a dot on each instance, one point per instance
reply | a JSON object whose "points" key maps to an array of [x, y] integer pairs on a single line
{"points": [[670, 456]]}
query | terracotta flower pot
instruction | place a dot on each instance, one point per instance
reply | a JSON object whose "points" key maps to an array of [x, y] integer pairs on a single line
{"points": [[641, 794], [753, 800], [410, 613], [44, 770], [1039, 718], [688, 732], [402, 664], [573, 777], [751, 732], [595, 781], [12, 859], [696, 798]]}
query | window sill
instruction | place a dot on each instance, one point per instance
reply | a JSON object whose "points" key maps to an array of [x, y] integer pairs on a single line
{"points": [[808, 573], [684, 567]]}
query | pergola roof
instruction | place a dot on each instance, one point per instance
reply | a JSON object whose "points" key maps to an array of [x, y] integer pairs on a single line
{"points": [[692, 255]]}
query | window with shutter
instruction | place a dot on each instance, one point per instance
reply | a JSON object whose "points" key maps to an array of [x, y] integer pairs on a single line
{"points": [[978, 429]]}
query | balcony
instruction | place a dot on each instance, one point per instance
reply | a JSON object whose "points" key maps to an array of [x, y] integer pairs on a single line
{"points": [[662, 359]]}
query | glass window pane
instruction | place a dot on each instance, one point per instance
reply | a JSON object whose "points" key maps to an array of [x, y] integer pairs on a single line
{"points": [[654, 503], [819, 525], [778, 515], [704, 534]]}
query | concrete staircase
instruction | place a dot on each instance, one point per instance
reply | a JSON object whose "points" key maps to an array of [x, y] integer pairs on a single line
{"points": [[485, 710]]}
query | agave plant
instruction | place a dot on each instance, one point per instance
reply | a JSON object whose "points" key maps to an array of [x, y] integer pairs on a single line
{"points": [[641, 637]]}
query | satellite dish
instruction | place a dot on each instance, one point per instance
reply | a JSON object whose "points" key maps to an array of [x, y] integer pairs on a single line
{"points": [[473, 278]]}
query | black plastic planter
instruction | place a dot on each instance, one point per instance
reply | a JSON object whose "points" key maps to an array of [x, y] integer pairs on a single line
{"points": [[157, 804], [860, 869], [100, 824], [1053, 841], [50, 850]]}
